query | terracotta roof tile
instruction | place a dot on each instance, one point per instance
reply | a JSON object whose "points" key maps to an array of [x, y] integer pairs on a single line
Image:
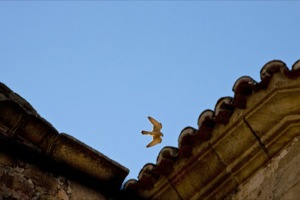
{"points": [[186, 141], [296, 66], [189, 138], [295, 70], [271, 68], [206, 124], [223, 110], [131, 184], [166, 159], [242, 88], [147, 176]]}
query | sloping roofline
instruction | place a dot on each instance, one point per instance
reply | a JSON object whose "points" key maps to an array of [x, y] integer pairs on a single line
{"points": [[209, 154], [22, 126]]}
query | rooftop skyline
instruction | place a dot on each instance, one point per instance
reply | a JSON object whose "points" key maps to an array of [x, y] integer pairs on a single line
{"points": [[96, 70]]}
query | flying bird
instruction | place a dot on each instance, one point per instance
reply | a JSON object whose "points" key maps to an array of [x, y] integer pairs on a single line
{"points": [[155, 133]]}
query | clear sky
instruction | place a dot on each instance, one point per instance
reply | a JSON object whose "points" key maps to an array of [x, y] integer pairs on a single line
{"points": [[97, 69]]}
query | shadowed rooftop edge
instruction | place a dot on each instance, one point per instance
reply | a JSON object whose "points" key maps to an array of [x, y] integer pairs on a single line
{"points": [[230, 144]]}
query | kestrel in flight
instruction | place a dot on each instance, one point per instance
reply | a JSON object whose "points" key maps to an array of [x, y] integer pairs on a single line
{"points": [[155, 133]]}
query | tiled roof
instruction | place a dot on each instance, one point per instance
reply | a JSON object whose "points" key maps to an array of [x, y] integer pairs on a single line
{"points": [[197, 145], [20, 124]]}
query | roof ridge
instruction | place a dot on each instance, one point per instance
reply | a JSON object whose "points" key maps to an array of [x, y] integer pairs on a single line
{"points": [[243, 88]]}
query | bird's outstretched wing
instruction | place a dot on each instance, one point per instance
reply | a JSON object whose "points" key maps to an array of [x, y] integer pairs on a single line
{"points": [[156, 140], [156, 125]]}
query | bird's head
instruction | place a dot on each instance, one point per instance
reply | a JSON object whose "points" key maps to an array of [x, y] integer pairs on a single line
{"points": [[162, 135]]}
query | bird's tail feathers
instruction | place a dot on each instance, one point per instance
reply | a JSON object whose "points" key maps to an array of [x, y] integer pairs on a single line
{"points": [[145, 132]]}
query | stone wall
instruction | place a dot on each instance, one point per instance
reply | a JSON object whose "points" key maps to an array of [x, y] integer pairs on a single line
{"points": [[25, 181], [27, 175], [279, 179], [38, 162]]}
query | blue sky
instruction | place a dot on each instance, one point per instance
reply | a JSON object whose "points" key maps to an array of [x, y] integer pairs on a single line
{"points": [[97, 69]]}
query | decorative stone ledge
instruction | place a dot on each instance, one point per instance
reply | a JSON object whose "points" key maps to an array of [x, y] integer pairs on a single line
{"points": [[232, 142], [21, 125]]}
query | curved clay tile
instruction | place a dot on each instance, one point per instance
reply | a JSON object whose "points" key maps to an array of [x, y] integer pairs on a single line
{"points": [[242, 88], [147, 169], [295, 72], [166, 159], [131, 184], [147, 176], [206, 124], [186, 141], [296, 65], [204, 116], [244, 85], [271, 68], [129, 190], [223, 110], [167, 153]]}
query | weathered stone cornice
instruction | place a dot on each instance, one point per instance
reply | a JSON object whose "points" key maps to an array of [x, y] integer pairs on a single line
{"points": [[19, 122], [232, 142]]}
